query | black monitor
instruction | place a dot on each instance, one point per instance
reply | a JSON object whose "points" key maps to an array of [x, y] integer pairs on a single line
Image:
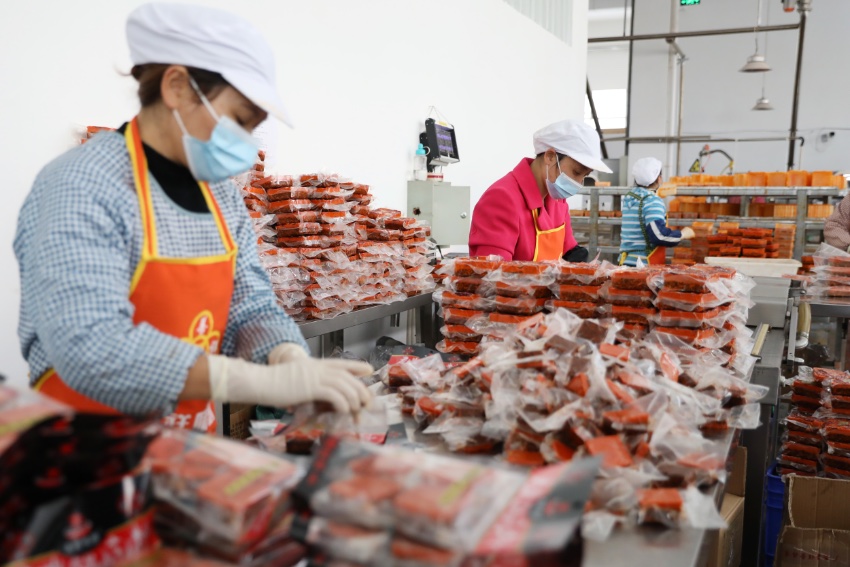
{"points": [[441, 142]]}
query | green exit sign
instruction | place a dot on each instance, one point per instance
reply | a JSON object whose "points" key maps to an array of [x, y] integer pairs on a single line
{"points": [[689, 2]]}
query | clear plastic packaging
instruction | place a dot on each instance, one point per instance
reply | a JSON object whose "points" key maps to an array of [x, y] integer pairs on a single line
{"points": [[506, 289], [592, 273], [683, 301], [577, 293], [470, 267], [288, 193], [231, 490], [631, 279], [298, 217], [519, 305], [468, 348], [441, 502], [299, 229], [290, 206]]}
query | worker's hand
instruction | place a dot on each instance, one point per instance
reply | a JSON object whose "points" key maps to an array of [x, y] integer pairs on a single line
{"points": [[291, 383], [666, 190], [577, 254], [688, 233], [287, 352]]}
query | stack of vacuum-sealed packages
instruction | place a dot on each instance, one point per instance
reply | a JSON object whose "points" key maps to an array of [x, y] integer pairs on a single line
{"points": [[816, 441], [327, 251], [483, 297], [830, 279]]}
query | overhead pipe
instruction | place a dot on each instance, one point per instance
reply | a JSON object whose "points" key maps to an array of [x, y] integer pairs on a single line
{"points": [[596, 119], [629, 84], [672, 91], [795, 109], [684, 34], [681, 103]]}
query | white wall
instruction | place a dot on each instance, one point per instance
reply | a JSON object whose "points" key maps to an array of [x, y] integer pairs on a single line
{"points": [[718, 98], [359, 78]]}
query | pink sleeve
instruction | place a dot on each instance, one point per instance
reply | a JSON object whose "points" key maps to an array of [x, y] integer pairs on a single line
{"points": [[495, 225], [569, 239]]}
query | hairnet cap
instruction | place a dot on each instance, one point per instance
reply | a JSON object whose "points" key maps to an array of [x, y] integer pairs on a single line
{"points": [[574, 139], [209, 39], [646, 171]]}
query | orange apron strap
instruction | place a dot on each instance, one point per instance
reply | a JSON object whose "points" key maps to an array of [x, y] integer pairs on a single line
{"points": [[50, 384], [139, 163], [549, 244], [224, 232]]}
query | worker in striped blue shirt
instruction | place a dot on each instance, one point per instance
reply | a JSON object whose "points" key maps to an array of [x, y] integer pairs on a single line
{"points": [[645, 234]]}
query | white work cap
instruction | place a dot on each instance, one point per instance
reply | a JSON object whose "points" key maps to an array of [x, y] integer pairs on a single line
{"points": [[574, 139], [208, 39], [646, 171]]}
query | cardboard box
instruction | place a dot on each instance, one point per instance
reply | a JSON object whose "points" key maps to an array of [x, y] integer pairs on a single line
{"points": [[816, 530], [240, 420], [724, 546]]}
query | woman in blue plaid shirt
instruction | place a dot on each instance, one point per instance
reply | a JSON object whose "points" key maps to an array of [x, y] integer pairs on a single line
{"points": [[142, 290]]}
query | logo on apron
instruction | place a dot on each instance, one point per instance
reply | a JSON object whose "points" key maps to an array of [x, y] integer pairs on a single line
{"points": [[202, 332]]}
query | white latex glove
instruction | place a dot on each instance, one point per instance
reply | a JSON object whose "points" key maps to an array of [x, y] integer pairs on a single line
{"points": [[688, 233], [290, 383], [287, 352]]}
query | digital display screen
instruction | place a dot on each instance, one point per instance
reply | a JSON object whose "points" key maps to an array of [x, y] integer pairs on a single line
{"points": [[688, 2], [444, 141]]}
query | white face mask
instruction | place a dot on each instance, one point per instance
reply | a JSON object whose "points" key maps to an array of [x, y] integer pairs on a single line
{"points": [[563, 187]]}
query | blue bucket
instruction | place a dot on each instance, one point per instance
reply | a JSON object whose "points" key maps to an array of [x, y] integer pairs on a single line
{"points": [[774, 504]]}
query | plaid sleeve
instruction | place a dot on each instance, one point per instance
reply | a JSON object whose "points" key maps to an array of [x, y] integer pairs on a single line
{"points": [[256, 323], [74, 246]]}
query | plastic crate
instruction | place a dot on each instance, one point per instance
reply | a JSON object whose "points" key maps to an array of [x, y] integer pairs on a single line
{"points": [[774, 504]]}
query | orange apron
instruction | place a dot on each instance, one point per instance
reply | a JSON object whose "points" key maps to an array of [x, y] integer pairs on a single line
{"points": [[548, 244], [187, 298]]}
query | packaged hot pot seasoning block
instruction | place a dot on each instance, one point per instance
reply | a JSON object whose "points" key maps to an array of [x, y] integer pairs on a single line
{"points": [[374, 505]]}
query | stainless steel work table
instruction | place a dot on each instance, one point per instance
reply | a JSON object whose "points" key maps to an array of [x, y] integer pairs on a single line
{"points": [[332, 330]]}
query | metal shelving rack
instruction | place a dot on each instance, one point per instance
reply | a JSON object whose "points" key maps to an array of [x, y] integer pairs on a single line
{"points": [[802, 195]]}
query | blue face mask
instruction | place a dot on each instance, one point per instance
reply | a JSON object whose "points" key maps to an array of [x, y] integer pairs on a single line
{"points": [[563, 187], [229, 151]]}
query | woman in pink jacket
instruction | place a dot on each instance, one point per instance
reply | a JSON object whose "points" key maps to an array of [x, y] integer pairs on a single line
{"points": [[524, 215]]}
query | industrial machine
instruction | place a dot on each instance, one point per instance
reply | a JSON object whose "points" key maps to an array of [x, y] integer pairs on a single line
{"points": [[444, 206]]}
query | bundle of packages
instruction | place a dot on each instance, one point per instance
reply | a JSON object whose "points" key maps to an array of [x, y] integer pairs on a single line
{"points": [[817, 436], [224, 499], [657, 410], [367, 505], [328, 252], [734, 242], [783, 240], [700, 243], [831, 279], [484, 298], [807, 267], [704, 306], [501, 296], [73, 490], [256, 200], [409, 245]]}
